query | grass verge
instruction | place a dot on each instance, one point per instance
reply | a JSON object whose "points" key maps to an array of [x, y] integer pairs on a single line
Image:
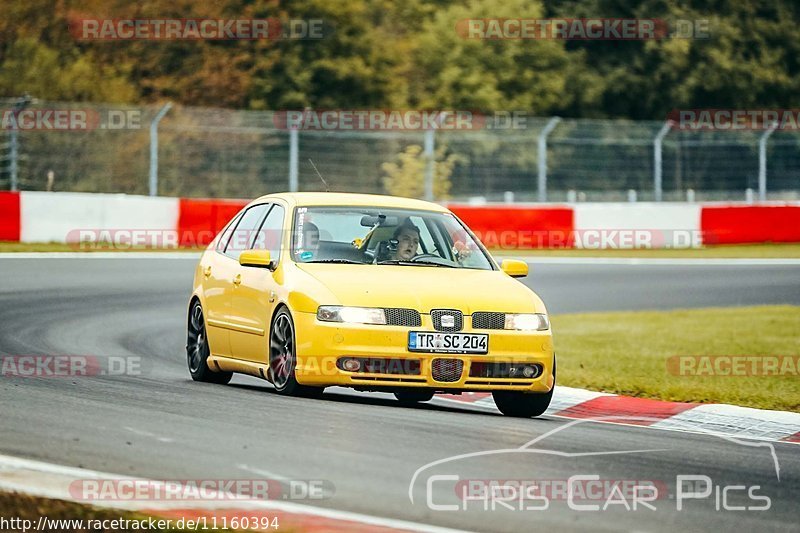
{"points": [[14, 505], [629, 352]]}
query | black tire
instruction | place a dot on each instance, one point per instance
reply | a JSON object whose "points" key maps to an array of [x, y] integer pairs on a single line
{"points": [[413, 396], [524, 404], [198, 350], [283, 359]]}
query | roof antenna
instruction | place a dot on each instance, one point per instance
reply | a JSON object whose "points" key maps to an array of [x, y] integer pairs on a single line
{"points": [[327, 189]]}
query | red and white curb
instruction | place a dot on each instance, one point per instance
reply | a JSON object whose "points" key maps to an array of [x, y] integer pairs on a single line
{"points": [[714, 419], [53, 481]]}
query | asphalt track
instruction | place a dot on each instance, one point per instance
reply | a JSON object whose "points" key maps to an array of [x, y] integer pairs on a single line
{"points": [[161, 425]]}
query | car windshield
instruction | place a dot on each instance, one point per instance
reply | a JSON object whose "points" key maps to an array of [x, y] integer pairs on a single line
{"points": [[366, 235]]}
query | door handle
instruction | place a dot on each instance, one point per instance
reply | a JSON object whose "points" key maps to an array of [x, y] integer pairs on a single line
{"points": [[237, 280], [207, 271]]}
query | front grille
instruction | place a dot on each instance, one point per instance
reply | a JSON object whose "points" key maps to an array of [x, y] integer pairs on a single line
{"points": [[488, 320], [402, 317], [457, 317], [447, 370]]}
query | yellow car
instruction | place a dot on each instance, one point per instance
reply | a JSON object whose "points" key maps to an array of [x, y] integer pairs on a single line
{"points": [[377, 293]]}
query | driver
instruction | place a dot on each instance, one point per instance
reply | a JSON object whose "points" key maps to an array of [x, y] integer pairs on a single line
{"points": [[407, 237]]}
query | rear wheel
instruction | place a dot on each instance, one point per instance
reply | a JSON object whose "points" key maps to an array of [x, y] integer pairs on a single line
{"points": [[198, 351], [283, 360], [411, 397], [524, 404]]}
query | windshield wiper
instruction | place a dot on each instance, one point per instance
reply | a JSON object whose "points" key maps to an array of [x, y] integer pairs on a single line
{"points": [[343, 261], [414, 263]]}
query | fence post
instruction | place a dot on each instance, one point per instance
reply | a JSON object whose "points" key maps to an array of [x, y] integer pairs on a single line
{"points": [[429, 163], [762, 162], [154, 148], [542, 181], [294, 141], [13, 155], [13, 143], [657, 166]]}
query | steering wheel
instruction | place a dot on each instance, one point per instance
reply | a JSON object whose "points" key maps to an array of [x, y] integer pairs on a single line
{"points": [[424, 256]]}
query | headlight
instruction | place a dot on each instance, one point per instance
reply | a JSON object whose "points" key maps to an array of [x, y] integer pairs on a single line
{"points": [[538, 322], [357, 315]]}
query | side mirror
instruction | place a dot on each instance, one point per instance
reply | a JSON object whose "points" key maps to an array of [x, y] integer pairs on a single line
{"points": [[514, 268], [255, 258]]}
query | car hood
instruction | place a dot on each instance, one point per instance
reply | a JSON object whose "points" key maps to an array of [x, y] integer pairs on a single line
{"points": [[425, 288]]}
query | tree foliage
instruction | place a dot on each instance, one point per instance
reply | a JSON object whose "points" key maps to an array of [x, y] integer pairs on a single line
{"points": [[407, 54], [406, 176]]}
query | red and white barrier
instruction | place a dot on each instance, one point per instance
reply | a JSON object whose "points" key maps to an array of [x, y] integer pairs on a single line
{"points": [[9, 216], [60, 217], [637, 225]]}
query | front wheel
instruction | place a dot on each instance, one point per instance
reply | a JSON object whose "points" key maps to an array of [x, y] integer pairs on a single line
{"points": [[283, 358], [524, 404], [411, 397], [198, 351]]}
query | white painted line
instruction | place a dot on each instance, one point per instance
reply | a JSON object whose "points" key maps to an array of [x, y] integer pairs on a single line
{"points": [[635, 261], [147, 434], [52, 481], [194, 256], [265, 473]]}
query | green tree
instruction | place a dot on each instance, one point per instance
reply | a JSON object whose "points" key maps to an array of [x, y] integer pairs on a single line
{"points": [[32, 67], [406, 175], [531, 75]]}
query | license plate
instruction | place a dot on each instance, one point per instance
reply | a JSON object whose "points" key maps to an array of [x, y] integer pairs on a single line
{"points": [[435, 342]]}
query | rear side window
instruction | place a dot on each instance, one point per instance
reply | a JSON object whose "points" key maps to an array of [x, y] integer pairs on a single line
{"points": [[245, 233]]}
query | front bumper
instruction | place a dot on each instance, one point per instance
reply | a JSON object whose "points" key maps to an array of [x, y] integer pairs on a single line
{"points": [[319, 345]]}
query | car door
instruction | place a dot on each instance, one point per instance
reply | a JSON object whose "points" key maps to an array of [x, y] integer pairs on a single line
{"points": [[254, 298], [223, 279], [217, 271]]}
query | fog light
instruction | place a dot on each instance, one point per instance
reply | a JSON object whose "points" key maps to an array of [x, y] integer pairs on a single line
{"points": [[529, 371], [351, 365]]}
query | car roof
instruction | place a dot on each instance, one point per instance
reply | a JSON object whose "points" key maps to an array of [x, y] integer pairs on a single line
{"points": [[346, 199]]}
